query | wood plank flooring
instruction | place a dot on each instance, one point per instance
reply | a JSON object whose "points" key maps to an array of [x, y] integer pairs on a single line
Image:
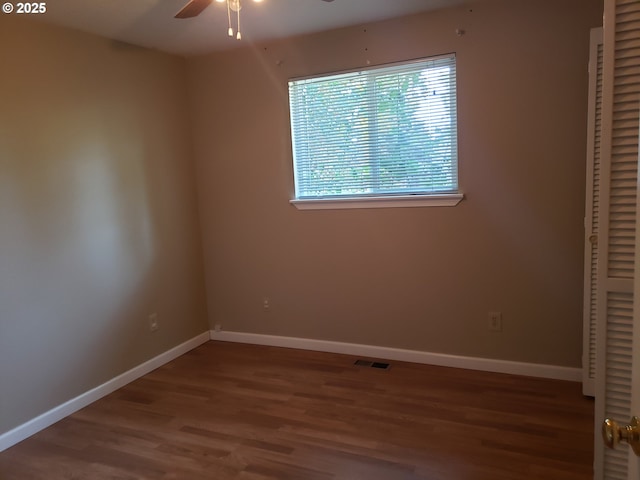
{"points": [[231, 411]]}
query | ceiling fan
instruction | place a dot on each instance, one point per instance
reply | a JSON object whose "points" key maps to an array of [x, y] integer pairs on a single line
{"points": [[195, 7]]}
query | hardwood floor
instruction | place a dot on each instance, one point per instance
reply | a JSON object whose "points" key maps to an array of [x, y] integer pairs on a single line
{"points": [[232, 411]]}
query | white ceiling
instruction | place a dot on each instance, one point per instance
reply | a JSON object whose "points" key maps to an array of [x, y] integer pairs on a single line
{"points": [[150, 23]]}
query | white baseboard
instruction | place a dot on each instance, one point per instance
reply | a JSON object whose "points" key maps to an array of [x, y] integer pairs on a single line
{"points": [[415, 356], [12, 437]]}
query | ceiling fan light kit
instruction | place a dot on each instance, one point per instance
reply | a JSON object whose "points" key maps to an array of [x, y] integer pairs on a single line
{"points": [[195, 8]]}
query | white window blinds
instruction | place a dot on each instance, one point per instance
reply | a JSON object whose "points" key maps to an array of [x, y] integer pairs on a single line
{"points": [[389, 130]]}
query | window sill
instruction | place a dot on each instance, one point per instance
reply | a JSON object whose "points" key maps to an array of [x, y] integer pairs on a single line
{"points": [[444, 200]]}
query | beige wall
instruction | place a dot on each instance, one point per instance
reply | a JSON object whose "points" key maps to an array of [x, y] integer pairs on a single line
{"points": [[98, 215], [417, 278]]}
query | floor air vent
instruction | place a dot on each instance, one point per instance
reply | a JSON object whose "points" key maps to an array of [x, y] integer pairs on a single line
{"points": [[367, 363]]}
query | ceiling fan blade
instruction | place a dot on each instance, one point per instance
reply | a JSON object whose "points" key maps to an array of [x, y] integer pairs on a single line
{"points": [[193, 8]]}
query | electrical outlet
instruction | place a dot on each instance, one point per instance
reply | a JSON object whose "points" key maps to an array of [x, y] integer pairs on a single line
{"points": [[217, 327], [153, 322], [266, 304], [495, 321]]}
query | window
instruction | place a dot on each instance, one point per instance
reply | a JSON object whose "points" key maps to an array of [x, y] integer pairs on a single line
{"points": [[385, 134]]}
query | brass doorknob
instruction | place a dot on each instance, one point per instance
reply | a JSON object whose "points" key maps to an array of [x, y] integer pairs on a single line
{"points": [[612, 433], [593, 239]]}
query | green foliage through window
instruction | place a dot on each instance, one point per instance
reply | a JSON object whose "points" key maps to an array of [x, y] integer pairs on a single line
{"points": [[389, 130]]}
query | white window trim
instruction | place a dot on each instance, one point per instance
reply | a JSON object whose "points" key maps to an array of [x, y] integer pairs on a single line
{"points": [[439, 200]]}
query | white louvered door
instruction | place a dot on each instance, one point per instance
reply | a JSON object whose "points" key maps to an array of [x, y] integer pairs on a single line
{"points": [[592, 213], [618, 317]]}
